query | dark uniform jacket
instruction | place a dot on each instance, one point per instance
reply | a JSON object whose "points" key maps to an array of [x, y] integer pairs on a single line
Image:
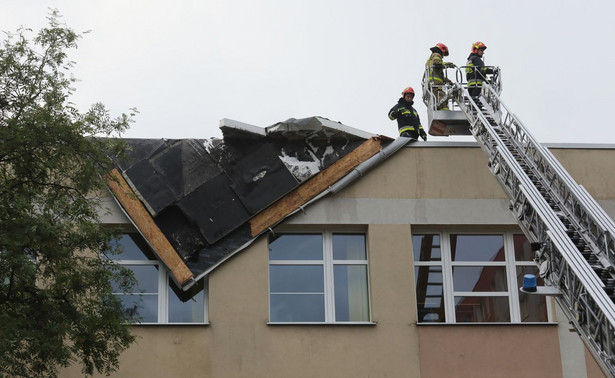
{"points": [[476, 71], [406, 116]]}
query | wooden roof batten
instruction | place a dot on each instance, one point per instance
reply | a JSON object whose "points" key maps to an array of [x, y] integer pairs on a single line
{"points": [[148, 228]]}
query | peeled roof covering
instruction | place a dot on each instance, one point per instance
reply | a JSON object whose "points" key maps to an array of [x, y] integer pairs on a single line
{"points": [[201, 193]]}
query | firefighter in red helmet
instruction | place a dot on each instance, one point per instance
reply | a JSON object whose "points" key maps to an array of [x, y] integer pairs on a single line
{"points": [[408, 121], [435, 66], [476, 72]]}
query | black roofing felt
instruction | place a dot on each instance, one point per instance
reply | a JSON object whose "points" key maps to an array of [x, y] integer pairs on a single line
{"points": [[201, 193]]}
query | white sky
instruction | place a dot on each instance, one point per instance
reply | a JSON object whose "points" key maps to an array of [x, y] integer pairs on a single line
{"points": [[187, 64]]}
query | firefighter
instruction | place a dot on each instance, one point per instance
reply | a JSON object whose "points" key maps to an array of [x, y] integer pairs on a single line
{"points": [[435, 69], [476, 72], [408, 121]]}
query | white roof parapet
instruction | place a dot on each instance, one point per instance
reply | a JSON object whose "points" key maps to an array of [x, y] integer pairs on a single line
{"points": [[316, 124], [226, 123]]}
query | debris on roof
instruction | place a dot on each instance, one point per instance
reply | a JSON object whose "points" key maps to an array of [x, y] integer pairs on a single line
{"points": [[204, 195]]}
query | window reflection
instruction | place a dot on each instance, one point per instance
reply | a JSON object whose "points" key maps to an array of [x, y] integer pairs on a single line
{"points": [[426, 247], [131, 247], [351, 301], [311, 283], [189, 311], [523, 252], [296, 247], [482, 309], [479, 278], [349, 247], [477, 247], [430, 294], [297, 307], [144, 305], [473, 276], [296, 279], [146, 300]]}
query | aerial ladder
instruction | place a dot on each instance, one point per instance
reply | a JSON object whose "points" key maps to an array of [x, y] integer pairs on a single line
{"points": [[572, 236]]}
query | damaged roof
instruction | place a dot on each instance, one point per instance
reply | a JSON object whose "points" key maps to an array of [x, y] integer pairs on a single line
{"points": [[198, 201]]}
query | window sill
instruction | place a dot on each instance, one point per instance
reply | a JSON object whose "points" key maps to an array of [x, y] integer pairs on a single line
{"points": [[322, 323], [488, 324]]}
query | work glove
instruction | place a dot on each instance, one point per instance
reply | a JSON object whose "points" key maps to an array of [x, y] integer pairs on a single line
{"points": [[422, 134], [450, 65]]}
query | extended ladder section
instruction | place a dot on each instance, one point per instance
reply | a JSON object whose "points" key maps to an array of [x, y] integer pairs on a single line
{"points": [[574, 238]]}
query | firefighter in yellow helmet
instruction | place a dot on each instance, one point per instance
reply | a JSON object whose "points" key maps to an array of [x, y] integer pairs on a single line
{"points": [[476, 72], [408, 121], [435, 66]]}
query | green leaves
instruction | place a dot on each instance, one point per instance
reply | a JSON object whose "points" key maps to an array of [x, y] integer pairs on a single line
{"points": [[56, 301]]}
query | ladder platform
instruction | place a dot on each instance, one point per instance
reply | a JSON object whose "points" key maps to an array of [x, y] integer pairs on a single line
{"points": [[448, 122]]}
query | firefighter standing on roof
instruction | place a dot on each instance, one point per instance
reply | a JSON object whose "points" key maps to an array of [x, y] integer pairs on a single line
{"points": [[408, 121], [435, 71], [475, 70]]}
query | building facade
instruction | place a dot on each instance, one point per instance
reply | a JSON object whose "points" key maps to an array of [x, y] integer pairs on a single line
{"points": [[412, 270]]}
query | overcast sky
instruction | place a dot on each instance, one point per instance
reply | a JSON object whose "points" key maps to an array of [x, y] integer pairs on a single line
{"points": [[187, 64]]}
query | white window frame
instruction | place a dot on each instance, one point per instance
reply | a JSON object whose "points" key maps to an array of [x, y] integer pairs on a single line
{"points": [[328, 264], [164, 282], [447, 266]]}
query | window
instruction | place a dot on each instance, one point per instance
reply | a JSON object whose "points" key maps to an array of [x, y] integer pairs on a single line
{"points": [[467, 278], [155, 298], [318, 278]]}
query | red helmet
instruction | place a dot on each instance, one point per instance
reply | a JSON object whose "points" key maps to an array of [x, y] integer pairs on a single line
{"points": [[478, 46], [442, 48], [408, 90]]}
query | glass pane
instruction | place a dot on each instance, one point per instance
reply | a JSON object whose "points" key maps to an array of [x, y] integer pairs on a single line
{"points": [[533, 307], [146, 276], [429, 294], [129, 248], [146, 306], [523, 252], [426, 247], [349, 247], [477, 248], [296, 247], [297, 307], [479, 278], [191, 311], [481, 309], [296, 279], [351, 299]]}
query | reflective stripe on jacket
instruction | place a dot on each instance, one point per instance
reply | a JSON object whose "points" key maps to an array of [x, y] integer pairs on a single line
{"points": [[406, 116], [476, 71], [435, 66]]}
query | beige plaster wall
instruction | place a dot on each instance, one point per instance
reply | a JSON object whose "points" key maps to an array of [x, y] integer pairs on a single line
{"points": [[162, 351], [494, 351], [245, 346], [239, 342], [430, 173], [462, 172], [593, 370], [594, 169]]}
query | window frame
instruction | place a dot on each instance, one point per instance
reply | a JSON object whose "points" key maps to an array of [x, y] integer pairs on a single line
{"points": [[447, 265], [328, 263], [164, 282]]}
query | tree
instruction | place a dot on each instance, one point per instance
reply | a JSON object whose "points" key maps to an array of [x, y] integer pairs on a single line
{"points": [[56, 301]]}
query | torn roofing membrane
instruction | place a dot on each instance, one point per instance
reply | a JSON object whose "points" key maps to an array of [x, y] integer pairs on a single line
{"points": [[201, 193]]}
